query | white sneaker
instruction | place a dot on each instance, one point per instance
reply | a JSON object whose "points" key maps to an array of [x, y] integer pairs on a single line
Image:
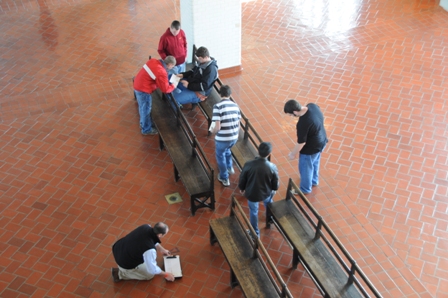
{"points": [[231, 171], [225, 182]]}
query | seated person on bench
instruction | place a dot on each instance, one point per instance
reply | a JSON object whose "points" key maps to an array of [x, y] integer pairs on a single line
{"points": [[196, 84]]}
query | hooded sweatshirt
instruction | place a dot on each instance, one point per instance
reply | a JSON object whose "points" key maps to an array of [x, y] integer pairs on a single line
{"points": [[202, 77], [175, 46]]}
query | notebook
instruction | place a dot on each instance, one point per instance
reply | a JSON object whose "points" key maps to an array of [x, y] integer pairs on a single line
{"points": [[172, 265]]}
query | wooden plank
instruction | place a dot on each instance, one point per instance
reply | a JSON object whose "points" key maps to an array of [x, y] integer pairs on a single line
{"points": [[191, 172], [253, 279], [314, 253]]}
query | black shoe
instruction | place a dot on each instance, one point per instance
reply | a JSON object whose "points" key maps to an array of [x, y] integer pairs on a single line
{"points": [[194, 106], [115, 274]]}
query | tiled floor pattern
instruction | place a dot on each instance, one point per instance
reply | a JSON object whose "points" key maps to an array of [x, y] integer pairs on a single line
{"points": [[76, 174]]}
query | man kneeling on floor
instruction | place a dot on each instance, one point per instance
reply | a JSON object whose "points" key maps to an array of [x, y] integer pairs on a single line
{"points": [[136, 254]]}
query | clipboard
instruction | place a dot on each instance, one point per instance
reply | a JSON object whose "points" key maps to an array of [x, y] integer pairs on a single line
{"points": [[172, 265]]}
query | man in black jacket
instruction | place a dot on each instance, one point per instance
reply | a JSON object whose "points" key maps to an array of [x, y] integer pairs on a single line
{"points": [[196, 84], [258, 182], [136, 254]]}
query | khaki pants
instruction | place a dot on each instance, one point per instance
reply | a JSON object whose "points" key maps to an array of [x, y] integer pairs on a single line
{"points": [[138, 273]]}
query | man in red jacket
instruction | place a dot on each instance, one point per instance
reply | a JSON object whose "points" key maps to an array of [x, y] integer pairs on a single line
{"points": [[152, 75], [174, 43]]}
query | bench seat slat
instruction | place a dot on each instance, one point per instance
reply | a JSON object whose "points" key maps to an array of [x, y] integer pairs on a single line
{"points": [[313, 252], [192, 174], [253, 279]]}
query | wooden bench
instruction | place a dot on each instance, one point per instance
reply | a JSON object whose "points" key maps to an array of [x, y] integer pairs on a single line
{"points": [[317, 247], [190, 162], [248, 140], [247, 257]]}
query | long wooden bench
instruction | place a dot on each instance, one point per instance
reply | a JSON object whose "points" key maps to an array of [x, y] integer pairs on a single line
{"points": [[246, 256], [248, 140], [190, 162], [317, 248]]}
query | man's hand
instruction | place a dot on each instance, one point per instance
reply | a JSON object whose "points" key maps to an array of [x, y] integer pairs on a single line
{"points": [[169, 276], [165, 252], [291, 155], [180, 75], [185, 83], [162, 250]]}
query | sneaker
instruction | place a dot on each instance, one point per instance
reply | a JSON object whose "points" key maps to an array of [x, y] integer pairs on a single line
{"points": [[115, 274], [224, 182], [153, 131], [296, 193], [231, 171], [250, 235]]}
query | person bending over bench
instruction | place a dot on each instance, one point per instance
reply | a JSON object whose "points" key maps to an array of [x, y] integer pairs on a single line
{"points": [[153, 75]]}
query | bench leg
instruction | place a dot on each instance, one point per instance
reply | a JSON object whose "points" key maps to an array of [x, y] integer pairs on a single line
{"points": [[202, 203], [295, 258], [233, 280], [213, 239], [161, 144], [176, 173], [268, 218], [193, 206], [212, 201]]}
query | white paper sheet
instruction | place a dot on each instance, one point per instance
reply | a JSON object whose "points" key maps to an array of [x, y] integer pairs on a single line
{"points": [[172, 265], [174, 79]]}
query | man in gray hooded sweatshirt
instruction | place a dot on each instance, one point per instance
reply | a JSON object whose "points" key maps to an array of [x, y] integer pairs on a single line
{"points": [[196, 84]]}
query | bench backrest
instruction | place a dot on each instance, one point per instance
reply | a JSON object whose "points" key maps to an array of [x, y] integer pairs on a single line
{"points": [[323, 232], [259, 250]]}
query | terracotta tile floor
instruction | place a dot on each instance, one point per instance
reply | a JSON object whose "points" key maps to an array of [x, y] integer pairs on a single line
{"points": [[76, 174]]}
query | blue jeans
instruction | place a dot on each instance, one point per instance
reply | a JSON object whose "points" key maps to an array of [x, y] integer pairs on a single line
{"points": [[309, 171], [224, 157], [144, 109], [177, 69], [185, 95], [253, 212]]}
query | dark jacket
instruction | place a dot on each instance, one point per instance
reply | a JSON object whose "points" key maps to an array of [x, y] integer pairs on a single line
{"points": [[128, 251], [258, 179], [202, 77]]}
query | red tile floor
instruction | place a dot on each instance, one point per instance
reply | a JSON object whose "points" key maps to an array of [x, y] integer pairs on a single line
{"points": [[76, 174]]}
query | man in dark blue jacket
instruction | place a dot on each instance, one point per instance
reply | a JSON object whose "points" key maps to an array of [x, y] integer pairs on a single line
{"points": [[258, 182], [196, 84]]}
